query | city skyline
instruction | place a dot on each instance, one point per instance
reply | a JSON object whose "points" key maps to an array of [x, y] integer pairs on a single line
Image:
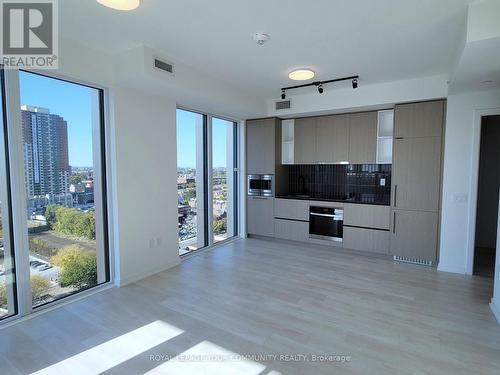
{"points": [[70, 101]]}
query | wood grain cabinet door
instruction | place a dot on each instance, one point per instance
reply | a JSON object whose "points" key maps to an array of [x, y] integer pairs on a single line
{"points": [[332, 139], [305, 141], [363, 138], [414, 234], [260, 216], [416, 173], [260, 146], [424, 119]]}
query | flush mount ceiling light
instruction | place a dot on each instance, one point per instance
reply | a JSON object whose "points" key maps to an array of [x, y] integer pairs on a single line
{"points": [[120, 4], [301, 74]]}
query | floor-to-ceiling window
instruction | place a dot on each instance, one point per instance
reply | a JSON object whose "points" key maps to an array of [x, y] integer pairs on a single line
{"points": [[56, 155], [223, 179], [8, 304], [206, 179], [190, 180]]}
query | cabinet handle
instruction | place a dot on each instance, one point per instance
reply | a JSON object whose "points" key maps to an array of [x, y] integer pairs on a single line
{"points": [[395, 195], [394, 223]]}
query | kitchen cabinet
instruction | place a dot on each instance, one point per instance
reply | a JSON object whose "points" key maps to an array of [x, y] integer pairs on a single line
{"points": [[368, 216], [293, 209], [291, 230], [416, 179], [305, 140], [260, 216], [416, 173], [424, 119], [332, 139], [362, 138], [260, 140], [364, 239], [414, 234]]}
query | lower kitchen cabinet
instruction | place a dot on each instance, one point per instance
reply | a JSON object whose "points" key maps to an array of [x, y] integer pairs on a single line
{"points": [[414, 234], [372, 240], [291, 230], [291, 209], [368, 216], [260, 216]]}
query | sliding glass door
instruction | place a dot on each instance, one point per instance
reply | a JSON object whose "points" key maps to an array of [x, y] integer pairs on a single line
{"points": [[206, 180], [52, 191]]}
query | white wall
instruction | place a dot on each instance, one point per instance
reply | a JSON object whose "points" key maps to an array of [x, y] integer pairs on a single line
{"points": [[460, 177], [146, 186]]}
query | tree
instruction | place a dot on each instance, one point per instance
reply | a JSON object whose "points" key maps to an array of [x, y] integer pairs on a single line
{"points": [[39, 286], [77, 178], [71, 221], [3, 296], [78, 267]]}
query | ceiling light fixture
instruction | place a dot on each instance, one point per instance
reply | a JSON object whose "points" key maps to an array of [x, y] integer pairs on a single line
{"points": [[120, 4], [301, 74], [319, 84]]}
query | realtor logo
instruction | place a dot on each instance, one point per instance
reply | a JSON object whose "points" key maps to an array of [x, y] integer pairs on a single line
{"points": [[29, 34]]}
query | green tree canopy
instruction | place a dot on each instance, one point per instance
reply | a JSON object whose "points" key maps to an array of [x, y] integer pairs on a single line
{"points": [[78, 267]]}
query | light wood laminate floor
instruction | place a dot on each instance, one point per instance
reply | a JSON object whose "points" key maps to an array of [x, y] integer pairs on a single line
{"points": [[260, 297]]}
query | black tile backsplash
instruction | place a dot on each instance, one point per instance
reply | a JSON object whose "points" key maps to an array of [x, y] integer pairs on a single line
{"points": [[354, 182]]}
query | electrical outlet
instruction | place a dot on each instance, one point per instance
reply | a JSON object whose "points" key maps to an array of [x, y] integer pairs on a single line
{"points": [[151, 243], [382, 182], [158, 241]]}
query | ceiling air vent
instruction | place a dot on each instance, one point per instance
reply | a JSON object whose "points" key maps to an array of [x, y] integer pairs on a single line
{"points": [[284, 104], [162, 65]]}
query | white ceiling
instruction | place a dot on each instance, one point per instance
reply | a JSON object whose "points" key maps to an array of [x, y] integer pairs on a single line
{"points": [[383, 40]]}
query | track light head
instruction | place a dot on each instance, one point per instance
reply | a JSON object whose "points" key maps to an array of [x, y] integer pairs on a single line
{"points": [[320, 89], [354, 83], [283, 95]]}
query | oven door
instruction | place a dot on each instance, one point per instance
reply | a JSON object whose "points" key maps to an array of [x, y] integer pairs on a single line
{"points": [[326, 223]]}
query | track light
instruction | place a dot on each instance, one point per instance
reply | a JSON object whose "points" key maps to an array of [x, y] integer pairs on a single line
{"points": [[319, 84]]}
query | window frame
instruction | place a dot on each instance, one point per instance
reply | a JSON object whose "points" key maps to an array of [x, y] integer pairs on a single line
{"points": [[208, 179], [18, 196]]}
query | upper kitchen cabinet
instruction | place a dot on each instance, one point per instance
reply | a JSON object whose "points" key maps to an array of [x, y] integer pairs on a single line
{"points": [[260, 138], [362, 138], [332, 139], [305, 140], [423, 119]]}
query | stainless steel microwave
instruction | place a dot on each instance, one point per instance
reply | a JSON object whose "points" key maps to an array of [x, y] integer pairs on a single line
{"points": [[261, 185]]}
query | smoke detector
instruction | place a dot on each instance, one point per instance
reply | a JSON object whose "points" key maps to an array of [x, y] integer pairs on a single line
{"points": [[261, 38]]}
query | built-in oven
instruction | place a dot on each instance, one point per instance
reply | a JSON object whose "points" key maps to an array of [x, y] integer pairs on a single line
{"points": [[326, 223], [261, 185]]}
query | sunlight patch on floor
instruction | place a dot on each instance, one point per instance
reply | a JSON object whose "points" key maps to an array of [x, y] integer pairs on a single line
{"points": [[115, 351], [208, 359]]}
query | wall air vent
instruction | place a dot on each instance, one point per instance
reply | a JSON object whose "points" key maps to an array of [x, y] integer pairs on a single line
{"points": [[162, 65], [283, 104], [421, 262]]}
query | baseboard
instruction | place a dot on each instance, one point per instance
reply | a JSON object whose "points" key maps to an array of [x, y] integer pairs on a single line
{"points": [[452, 269], [495, 308], [121, 282]]}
